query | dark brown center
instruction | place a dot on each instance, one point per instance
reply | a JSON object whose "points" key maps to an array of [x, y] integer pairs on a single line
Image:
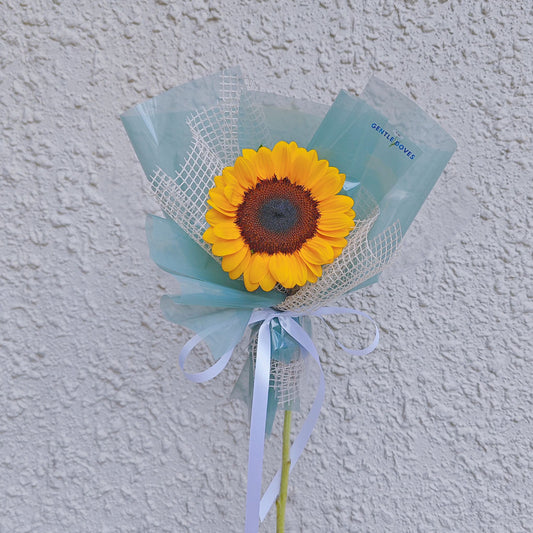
{"points": [[277, 216]]}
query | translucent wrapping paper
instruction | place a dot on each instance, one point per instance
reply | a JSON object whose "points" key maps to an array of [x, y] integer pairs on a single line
{"points": [[392, 154]]}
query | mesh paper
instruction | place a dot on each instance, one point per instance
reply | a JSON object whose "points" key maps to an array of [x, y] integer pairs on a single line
{"points": [[183, 199], [215, 145], [360, 260], [285, 378], [218, 134]]}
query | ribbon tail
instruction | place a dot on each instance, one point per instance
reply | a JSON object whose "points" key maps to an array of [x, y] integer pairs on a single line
{"points": [[298, 446], [211, 372], [257, 428], [257, 507]]}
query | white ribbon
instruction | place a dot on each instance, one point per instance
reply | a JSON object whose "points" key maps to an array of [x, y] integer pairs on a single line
{"points": [[257, 507]]}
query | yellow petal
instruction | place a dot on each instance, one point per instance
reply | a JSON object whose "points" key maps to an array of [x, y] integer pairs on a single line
{"points": [[259, 267], [245, 173], [318, 171], [316, 252], [336, 204], [224, 247], [234, 194], [216, 217], [209, 236], [220, 201], [268, 282], [314, 268], [334, 221], [232, 261], [300, 270], [227, 230], [228, 176], [279, 268], [337, 251], [242, 266], [313, 155], [335, 233], [290, 282], [334, 241], [264, 163], [311, 276], [250, 286], [227, 212], [295, 271], [293, 147], [280, 159], [301, 167], [331, 183]]}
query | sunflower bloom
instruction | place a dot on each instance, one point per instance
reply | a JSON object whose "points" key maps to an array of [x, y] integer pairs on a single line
{"points": [[276, 217]]}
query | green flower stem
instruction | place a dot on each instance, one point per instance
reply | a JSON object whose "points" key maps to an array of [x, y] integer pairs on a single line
{"points": [[281, 502]]}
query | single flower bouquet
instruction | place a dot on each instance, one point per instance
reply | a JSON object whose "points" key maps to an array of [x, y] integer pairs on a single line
{"points": [[274, 208]]}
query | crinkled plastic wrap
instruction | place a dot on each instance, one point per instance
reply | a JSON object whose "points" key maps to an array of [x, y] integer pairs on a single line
{"points": [[391, 152]]}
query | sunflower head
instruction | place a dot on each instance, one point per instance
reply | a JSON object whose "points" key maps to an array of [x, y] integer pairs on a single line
{"points": [[276, 216]]}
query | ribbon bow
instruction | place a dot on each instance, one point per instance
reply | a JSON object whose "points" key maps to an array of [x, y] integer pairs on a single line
{"points": [[257, 507]]}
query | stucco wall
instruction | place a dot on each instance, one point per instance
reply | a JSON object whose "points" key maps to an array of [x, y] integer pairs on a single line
{"points": [[100, 432]]}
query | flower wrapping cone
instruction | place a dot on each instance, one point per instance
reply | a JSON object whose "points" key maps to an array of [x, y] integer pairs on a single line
{"points": [[390, 152]]}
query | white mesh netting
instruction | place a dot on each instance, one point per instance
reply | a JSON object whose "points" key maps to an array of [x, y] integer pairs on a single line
{"points": [[184, 199], [360, 260], [215, 144], [286, 379]]}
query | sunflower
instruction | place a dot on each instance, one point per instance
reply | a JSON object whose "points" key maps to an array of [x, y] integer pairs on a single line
{"points": [[276, 217]]}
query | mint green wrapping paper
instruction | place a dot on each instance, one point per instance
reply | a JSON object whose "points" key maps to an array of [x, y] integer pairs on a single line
{"points": [[385, 143], [382, 141], [158, 128]]}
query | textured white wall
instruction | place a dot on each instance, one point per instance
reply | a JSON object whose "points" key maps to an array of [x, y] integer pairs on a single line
{"points": [[99, 431]]}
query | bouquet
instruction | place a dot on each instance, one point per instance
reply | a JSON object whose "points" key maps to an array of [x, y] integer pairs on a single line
{"points": [[274, 208]]}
